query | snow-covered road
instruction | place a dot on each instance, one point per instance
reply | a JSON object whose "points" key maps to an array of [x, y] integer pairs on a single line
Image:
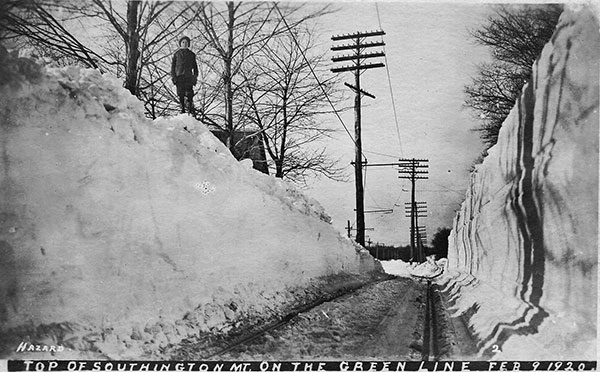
{"points": [[382, 320]]}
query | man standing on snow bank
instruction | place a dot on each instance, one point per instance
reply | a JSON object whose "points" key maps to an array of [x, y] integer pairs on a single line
{"points": [[184, 73]]}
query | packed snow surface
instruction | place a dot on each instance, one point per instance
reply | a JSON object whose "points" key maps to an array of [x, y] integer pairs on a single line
{"points": [[396, 267], [120, 235], [427, 269], [523, 252]]}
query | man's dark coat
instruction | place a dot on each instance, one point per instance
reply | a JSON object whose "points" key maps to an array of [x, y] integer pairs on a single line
{"points": [[183, 67]]}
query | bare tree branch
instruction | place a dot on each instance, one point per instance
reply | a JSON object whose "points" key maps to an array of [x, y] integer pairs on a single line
{"points": [[516, 36]]}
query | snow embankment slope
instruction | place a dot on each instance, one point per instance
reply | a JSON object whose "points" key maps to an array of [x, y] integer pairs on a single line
{"points": [[119, 235], [524, 246]]}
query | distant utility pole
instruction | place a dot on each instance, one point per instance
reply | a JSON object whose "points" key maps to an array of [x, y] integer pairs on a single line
{"points": [[358, 46], [349, 228], [420, 207], [422, 230], [413, 170], [421, 241], [417, 210]]}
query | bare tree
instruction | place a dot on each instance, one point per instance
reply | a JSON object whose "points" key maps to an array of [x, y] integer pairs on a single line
{"points": [[439, 242], [137, 36], [235, 31], [492, 94], [42, 23], [286, 98], [516, 36], [132, 43]]}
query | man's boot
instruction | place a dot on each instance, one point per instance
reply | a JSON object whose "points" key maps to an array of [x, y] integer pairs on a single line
{"points": [[189, 104], [190, 108], [182, 104]]}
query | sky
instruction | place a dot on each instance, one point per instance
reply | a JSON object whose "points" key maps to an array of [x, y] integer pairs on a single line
{"points": [[430, 57]]}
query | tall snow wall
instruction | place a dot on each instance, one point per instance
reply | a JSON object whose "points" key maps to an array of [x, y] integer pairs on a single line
{"points": [[523, 252], [120, 235]]}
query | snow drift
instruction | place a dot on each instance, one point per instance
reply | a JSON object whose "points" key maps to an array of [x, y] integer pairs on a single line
{"points": [[428, 269], [523, 250], [120, 235]]}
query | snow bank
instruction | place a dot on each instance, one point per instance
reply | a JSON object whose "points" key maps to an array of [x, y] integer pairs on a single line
{"points": [[523, 251], [397, 267], [120, 235], [427, 269]]}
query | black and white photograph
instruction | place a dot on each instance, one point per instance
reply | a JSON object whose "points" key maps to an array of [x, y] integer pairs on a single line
{"points": [[299, 186]]}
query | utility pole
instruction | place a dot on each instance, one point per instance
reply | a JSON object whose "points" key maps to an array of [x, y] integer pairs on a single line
{"points": [[421, 240], [358, 45], [417, 210], [413, 170]]}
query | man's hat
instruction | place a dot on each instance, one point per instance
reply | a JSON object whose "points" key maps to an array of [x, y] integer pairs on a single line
{"points": [[184, 38]]}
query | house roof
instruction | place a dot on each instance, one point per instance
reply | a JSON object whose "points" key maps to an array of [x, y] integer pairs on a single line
{"points": [[249, 145]]}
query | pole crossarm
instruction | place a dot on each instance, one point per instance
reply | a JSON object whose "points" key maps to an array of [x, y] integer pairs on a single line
{"points": [[358, 34], [379, 211], [415, 178], [352, 57], [413, 160], [358, 46], [359, 67], [413, 171], [381, 164], [361, 91], [402, 165]]}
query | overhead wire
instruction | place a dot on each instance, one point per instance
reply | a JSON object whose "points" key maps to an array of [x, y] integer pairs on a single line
{"points": [[382, 154], [387, 69], [367, 192], [458, 191], [315, 75]]}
